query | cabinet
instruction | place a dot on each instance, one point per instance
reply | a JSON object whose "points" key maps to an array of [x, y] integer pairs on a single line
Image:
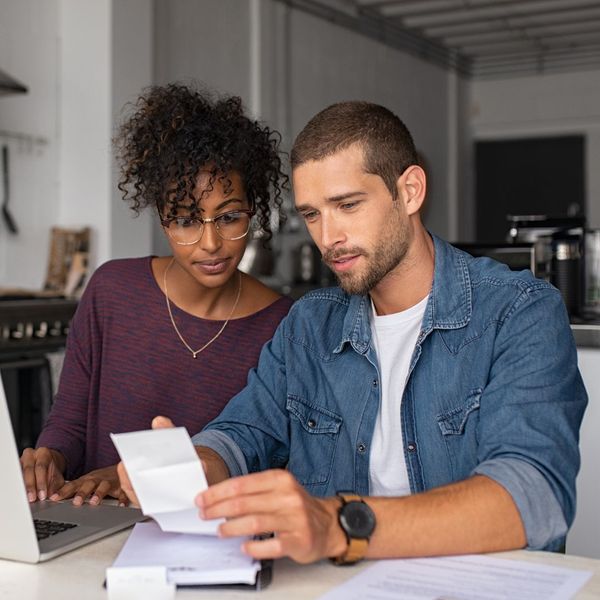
{"points": [[584, 537]]}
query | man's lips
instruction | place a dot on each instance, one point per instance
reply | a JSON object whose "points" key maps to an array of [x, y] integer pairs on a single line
{"points": [[344, 263]]}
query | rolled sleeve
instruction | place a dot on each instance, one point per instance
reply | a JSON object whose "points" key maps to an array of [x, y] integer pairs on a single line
{"points": [[226, 448], [542, 516]]}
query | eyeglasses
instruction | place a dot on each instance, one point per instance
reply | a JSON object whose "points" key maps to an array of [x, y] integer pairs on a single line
{"points": [[185, 231]]}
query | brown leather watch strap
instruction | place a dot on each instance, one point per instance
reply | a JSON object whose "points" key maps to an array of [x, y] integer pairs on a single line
{"points": [[357, 548]]}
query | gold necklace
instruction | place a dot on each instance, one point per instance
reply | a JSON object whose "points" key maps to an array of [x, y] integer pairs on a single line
{"points": [[196, 352]]}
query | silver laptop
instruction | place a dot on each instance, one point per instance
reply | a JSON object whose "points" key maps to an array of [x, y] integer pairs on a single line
{"points": [[43, 530]]}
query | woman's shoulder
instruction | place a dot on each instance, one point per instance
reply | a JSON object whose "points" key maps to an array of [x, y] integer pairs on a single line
{"points": [[259, 297], [119, 275]]}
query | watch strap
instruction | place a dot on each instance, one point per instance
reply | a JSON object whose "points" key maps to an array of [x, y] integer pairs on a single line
{"points": [[357, 547]]}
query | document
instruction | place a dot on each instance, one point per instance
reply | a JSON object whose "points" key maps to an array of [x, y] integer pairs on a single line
{"points": [[469, 577], [188, 559], [166, 475]]}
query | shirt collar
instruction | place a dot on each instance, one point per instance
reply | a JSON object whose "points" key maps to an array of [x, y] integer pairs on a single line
{"points": [[449, 305]]}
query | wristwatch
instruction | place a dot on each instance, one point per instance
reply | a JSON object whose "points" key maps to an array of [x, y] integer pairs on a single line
{"points": [[358, 522]]}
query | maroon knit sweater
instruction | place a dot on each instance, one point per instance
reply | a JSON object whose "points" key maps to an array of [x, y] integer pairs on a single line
{"points": [[124, 364]]}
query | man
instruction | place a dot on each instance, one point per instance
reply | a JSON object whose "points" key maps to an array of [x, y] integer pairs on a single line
{"points": [[438, 391]]}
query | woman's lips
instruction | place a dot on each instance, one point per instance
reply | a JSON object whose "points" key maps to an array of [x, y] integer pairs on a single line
{"points": [[344, 263], [212, 267]]}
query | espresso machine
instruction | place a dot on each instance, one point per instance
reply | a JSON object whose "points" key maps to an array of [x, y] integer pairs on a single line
{"points": [[558, 244]]}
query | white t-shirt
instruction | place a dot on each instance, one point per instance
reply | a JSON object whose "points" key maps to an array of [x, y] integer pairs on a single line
{"points": [[394, 339]]}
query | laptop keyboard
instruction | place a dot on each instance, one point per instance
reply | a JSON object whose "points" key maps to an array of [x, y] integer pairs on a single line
{"points": [[44, 529]]}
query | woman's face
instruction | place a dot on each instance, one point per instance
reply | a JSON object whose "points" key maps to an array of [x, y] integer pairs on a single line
{"points": [[212, 261]]}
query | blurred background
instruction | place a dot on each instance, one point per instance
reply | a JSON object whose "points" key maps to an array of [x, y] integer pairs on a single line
{"points": [[501, 96]]}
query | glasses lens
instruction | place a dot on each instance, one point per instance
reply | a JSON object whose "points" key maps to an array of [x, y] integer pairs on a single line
{"points": [[233, 225], [185, 230]]}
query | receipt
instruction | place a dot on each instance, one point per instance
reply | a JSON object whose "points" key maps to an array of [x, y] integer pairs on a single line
{"points": [[166, 474]]}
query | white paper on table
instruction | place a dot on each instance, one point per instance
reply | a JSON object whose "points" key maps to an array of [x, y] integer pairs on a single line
{"points": [[188, 559], [165, 473], [139, 583], [471, 577]]}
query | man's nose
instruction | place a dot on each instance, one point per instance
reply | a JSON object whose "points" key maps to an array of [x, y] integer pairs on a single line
{"points": [[332, 233]]}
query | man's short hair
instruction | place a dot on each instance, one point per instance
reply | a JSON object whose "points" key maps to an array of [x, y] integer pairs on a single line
{"points": [[387, 144]]}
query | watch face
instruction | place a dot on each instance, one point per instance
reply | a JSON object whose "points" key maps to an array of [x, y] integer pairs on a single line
{"points": [[357, 519]]}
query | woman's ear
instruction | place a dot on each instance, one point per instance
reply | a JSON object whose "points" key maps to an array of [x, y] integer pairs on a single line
{"points": [[412, 187]]}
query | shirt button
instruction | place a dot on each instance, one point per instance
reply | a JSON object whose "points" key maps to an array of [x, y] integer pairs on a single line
{"points": [[362, 448], [375, 383], [312, 423], [412, 447]]}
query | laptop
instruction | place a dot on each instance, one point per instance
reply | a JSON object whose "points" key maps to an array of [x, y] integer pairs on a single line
{"points": [[42, 530]]}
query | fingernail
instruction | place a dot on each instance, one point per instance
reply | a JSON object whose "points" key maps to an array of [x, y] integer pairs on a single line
{"points": [[77, 501], [94, 500], [31, 496], [54, 497], [122, 504], [42, 494]]}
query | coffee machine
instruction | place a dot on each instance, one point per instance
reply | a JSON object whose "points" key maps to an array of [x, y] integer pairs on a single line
{"points": [[558, 244]]}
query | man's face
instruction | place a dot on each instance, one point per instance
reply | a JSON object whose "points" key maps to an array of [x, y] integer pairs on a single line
{"points": [[362, 233]]}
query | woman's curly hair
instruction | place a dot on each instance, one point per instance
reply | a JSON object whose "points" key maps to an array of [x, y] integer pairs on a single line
{"points": [[177, 131]]}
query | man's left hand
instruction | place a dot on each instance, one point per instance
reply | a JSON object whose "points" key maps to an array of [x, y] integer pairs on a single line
{"points": [[306, 528]]}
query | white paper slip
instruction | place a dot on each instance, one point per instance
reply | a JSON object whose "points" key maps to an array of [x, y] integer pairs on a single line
{"points": [[166, 475], [141, 583], [188, 559], [472, 577]]}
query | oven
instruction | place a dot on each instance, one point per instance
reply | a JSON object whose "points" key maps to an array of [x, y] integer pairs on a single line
{"points": [[33, 333]]}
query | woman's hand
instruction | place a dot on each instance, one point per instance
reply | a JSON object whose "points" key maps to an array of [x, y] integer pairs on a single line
{"points": [[43, 470], [93, 487]]}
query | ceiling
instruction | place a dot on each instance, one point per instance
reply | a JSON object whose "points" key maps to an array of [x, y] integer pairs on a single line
{"points": [[480, 38]]}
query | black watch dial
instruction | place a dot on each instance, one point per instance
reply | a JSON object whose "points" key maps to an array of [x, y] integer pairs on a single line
{"points": [[357, 519]]}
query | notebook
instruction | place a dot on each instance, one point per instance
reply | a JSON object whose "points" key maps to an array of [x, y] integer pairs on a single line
{"points": [[191, 560], [60, 526]]}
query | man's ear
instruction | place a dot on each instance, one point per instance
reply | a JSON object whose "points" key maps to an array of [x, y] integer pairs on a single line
{"points": [[412, 187]]}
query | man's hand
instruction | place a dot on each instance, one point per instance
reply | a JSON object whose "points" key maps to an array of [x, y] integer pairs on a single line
{"points": [[95, 485], [43, 470], [306, 528]]}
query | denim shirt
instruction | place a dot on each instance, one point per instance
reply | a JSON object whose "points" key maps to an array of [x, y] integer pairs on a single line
{"points": [[493, 389]]}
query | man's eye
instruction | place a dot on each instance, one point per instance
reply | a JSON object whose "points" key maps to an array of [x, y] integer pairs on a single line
{"points": [[310, 216], [348, 205]]}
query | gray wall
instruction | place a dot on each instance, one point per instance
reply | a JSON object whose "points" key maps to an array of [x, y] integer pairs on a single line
{"points": [[304, 64]]}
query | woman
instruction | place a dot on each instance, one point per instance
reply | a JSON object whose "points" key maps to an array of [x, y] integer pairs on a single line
{"points": [[174, 335]]}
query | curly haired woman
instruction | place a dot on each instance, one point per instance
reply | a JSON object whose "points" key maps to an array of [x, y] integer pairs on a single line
{"points": [[172, 335]]}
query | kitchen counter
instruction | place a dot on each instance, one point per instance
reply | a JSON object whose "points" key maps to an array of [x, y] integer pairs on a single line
{"points": [[587, 334]]}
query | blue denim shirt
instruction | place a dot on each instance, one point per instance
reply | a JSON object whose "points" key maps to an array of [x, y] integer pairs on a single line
{"points": [[493, 389]]}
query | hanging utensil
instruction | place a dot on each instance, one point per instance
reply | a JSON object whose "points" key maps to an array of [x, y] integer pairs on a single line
{"points": [[7, 217]]}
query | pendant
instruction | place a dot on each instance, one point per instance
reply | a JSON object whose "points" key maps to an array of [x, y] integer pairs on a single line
{"points": [[194, 354]]}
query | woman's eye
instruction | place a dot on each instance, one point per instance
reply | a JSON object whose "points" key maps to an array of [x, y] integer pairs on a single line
{"points": [[184, 222], [230, 217]]}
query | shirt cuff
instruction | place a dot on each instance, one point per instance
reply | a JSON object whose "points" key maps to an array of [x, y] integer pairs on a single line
{"points": [[542, 516], [226, 448]]}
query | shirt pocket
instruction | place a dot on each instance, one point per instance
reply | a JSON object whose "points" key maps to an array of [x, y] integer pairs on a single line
{"points": [[454, 422], [458, 427], [314, 433]]}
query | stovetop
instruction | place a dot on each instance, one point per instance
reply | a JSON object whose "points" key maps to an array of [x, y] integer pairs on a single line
{"points": [[33, 325]]}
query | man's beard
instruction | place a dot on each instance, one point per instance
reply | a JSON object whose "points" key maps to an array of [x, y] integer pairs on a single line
{"points": [[387, 255]]}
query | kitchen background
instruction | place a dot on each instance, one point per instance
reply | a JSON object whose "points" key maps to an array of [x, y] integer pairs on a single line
{"points": [[477, 82]]}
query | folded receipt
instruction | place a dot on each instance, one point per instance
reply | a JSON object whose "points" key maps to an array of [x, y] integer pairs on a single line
{"points": [[166, 475]]}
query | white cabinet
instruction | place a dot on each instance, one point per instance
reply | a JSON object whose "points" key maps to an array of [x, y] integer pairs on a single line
{"points": [[584, 537]]}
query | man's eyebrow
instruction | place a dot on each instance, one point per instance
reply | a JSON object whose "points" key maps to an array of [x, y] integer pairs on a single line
{"points": [[333, 199]]}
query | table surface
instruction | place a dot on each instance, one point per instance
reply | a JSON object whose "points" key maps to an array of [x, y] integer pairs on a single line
{"points": [[80, 574]]}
